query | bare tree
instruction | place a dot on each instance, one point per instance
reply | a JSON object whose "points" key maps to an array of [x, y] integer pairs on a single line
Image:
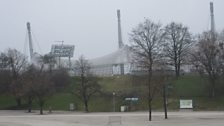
{"points": [[43, 86], [207, 58], [49, 61], [221, 36], [16, 64], [88, 85], [40, 81], [5, 78], [59, 75], [60, 78], [4, 62], [177, 44], [29, 78], [221, 46], [146, 40], [5, 81]]}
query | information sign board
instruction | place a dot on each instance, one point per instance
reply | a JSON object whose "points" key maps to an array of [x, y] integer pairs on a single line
{"points": [[62, 50], [186, 104], [131, 99]]}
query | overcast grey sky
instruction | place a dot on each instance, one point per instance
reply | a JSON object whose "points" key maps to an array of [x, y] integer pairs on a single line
{"points": [[91, 25]]}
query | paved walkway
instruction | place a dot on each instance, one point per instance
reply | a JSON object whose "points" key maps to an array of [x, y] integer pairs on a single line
{"points": [[21, 118]]}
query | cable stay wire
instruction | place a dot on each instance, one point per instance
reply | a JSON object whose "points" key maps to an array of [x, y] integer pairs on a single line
{"points": [[35, 42]]}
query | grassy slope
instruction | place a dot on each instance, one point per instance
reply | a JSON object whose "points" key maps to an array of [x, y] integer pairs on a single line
{"points": [[6, 101], [187, 87], [190, 86]]}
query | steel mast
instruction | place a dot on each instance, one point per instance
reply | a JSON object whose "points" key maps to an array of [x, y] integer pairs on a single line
{"points": [[30, 41], [212, 20], [120, 42]]}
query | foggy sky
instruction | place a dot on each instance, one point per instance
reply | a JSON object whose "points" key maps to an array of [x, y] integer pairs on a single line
{"points": [[91, 25]]}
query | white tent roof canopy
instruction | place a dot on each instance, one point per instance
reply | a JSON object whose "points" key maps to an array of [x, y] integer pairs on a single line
{"points": [[121, 56]]}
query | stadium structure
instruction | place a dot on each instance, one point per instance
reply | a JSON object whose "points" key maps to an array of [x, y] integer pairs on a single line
{"points": [[58, 51], [118, 62], [121, 62]]}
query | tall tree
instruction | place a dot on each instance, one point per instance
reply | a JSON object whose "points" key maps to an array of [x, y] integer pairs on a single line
{"points": [[88, 85], [219, 41], [221, 46], [60, 78], [177, 44], [146, 40], [5, 78], [208, 58], [28, 81], [5, 81], [43, 88], [40, 82], [16, 64], [4, 62], [49, 61]]}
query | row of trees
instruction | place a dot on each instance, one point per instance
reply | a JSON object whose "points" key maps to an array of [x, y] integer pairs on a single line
{"points": [[41, 79], [30, 82], [87, 85], [156, 48], [208, 58]]}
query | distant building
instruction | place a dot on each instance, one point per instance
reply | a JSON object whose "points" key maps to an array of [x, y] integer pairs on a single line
{"points": [[116, 63]]}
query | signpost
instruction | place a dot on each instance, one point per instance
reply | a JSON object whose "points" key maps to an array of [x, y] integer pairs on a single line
{"points": [[60, 50], [165, 99], [131, 99], [186, 104], [114, 101]]}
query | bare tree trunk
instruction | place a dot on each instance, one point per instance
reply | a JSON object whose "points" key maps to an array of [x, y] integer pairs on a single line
{"points": [[84, 91], [164, 101], [86, 105], [41, 110], [150, 109], [149, 93], [177, 69], [29, 104], [177, 72], [212, 88], [41, 107], [175, 60], [18, 102], [212, 85]]}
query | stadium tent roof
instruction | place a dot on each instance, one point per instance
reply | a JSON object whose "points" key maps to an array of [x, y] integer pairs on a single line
{"points": [[121, 56]]}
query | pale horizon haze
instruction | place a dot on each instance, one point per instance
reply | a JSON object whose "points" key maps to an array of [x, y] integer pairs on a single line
{"points": [[91, 25]]}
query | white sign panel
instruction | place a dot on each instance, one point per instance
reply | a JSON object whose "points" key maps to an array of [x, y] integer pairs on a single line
{"points": [[131, 99], [62, 50], [186, 104]]}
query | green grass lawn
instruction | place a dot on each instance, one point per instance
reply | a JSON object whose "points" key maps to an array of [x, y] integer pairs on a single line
{"points": [[190, 86], [6, 101], [186, 87], [61, 101]]}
